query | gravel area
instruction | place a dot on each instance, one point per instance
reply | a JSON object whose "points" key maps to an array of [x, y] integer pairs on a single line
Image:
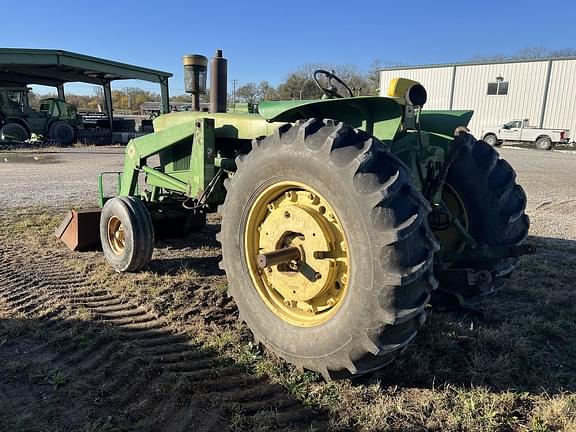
{"points": [[55, 178], [63, 178], [549, 179]]}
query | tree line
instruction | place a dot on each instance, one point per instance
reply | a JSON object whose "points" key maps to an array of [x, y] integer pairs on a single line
{"points": [[128, 99], [298, 84]]}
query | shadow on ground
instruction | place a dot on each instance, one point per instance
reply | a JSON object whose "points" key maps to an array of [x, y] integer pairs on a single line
{"points": [[524, 340]]}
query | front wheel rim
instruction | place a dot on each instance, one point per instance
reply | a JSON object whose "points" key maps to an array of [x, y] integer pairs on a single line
{"points": [[309, 290], [116, 235]]}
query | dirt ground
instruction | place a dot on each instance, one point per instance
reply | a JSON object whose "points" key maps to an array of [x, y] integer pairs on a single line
{"points": [[85, 349]]}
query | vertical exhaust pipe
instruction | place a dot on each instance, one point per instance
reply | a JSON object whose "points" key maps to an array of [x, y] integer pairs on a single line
{"points": [[218, 83]]}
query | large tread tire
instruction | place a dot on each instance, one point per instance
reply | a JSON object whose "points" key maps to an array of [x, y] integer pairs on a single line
{"points": [[14, 132], [495, 205], [138, 233], [63, 132], [391, 246]]}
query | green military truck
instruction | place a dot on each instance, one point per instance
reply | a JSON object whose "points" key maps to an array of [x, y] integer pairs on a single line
{"points": [[55, 119]]}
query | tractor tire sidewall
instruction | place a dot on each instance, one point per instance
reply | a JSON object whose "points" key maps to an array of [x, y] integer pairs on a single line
{"points": [[118, 208], [63, 132], [138, 233], [493, 201], [15, 130], [369, 303]]}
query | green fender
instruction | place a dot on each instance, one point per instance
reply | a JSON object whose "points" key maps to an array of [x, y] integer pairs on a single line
{"points": [[378, 116]]}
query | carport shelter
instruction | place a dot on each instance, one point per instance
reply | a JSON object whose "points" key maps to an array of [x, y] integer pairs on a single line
{"points": [[55, 68]]}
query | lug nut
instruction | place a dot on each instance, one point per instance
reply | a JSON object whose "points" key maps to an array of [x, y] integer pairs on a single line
{"points": [[287, 214], [317, 276]]}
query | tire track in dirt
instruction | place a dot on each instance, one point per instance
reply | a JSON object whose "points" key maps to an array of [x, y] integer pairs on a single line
{"points": [[131, 356]]}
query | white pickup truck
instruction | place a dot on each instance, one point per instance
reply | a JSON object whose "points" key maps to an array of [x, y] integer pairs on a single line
{"points": [[521, 131]]}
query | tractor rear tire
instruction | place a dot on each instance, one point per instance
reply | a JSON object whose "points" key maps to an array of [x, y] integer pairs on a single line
{"points": [[126, 234], [495, 208], [369, 196], [63, 132], [14, 132]]}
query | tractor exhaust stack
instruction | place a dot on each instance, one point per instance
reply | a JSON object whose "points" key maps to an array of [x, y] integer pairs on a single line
{"points": [[218, 83]]}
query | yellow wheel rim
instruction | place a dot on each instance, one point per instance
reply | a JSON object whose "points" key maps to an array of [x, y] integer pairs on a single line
{"points": [[116, 235], [450, 238], [308, 291]]}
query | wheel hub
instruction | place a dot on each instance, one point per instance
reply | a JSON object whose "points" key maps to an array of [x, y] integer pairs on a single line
{"points": [[295, 229], [441, 221], [116, 235]]}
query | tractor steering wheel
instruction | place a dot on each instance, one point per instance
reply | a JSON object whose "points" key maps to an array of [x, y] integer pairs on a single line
{"points": [[330, 91]]}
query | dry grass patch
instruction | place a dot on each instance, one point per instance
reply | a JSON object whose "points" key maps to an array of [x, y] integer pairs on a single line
{"points": [[510, 368]]}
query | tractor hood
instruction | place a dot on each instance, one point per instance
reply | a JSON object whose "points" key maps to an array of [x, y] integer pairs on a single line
{"points": [[379, 116]]}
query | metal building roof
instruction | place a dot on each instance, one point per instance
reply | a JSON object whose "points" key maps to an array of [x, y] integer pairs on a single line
{"points": [[477, 63], [56, 67]]}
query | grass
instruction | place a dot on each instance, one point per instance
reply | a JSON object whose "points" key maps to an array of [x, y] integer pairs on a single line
{"points": [[513, 368]]}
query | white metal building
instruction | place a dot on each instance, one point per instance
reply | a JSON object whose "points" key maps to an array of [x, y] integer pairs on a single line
{"points": [[542, 90]]}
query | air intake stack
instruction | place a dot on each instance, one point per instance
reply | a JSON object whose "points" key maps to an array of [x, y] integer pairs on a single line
{"points": [[195, 70]]}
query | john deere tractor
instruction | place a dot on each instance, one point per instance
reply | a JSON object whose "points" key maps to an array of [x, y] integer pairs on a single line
{"points": [[56, 119], [340, 216]]}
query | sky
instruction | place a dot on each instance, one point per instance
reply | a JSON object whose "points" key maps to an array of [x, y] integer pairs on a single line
{"points": [[267, 40]]}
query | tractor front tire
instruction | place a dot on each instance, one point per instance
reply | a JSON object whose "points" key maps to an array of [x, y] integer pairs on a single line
{"points": [[126, 234], [359, 294], [493, 211], [63, 132]]}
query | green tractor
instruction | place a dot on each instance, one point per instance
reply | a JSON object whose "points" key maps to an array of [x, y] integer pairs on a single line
{"points": [[340, 216], [56, 119]]}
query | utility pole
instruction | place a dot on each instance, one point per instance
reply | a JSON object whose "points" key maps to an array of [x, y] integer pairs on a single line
{"points": [[234, 81]]}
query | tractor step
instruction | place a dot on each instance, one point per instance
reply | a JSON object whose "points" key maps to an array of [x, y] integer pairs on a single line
{"points": [[80, 229]]}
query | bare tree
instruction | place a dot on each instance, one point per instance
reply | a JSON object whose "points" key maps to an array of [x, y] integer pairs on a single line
{"points": [[248, 93], [528, 53]]}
